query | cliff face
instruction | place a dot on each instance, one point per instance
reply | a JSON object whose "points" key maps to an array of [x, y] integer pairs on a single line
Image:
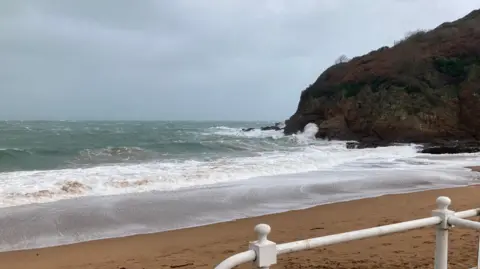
{"points": [[425, 88]]}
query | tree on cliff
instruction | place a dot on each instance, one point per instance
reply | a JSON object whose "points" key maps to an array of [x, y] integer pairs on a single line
{"points": [[341, 59]]}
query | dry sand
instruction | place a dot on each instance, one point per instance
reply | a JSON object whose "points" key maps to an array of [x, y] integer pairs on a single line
{"points": [[204, 247]]}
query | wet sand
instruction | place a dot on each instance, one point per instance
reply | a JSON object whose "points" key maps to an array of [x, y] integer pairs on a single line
{"points": [[204, 247], [99, 217]]}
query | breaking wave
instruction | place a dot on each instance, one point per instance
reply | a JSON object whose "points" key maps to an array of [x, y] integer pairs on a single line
{"points": [[187, 158]]}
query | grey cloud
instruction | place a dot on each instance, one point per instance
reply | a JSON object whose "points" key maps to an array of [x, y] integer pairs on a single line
{"points": [[121, 59]]}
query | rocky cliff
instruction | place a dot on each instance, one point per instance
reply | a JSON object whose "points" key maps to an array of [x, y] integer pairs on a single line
{"points": [[424, 88]]}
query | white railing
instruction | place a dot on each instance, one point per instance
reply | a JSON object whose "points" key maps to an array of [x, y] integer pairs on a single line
{"points": [[263, 253]]}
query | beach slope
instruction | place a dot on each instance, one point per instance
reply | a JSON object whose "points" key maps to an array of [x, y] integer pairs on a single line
{"points": [[204, 247]]}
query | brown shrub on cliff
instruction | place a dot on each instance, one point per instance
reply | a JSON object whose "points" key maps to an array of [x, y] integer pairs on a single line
{"points": [[425, 87]]}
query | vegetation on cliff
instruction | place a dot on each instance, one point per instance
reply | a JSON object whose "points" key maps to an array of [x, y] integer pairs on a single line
{"points": [[424, 88]]}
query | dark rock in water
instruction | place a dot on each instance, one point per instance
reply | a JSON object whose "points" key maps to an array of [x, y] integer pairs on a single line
{"points": [[449, 147], [465, 147], [352, 145], [450, 150], [267, 128], [367, 144], [416, 91], [277, 127]]}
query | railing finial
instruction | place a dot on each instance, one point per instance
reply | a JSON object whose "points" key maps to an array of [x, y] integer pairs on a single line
{"points": [[265, 250], [443, 202], [262, 231]]}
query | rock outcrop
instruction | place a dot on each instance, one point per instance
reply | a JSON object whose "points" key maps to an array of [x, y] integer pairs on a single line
{"points": [[277, 127], [425, 88], [451, 147]]}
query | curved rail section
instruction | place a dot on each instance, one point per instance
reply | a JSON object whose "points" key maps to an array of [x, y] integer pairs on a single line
{"points": [[263, 252]]}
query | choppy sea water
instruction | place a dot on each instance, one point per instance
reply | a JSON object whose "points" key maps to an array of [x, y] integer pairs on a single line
{"points": [[64, 182]]}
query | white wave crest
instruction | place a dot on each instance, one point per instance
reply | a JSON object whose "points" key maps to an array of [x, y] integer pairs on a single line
{"points": [[23, 187], [238, 132], [42, 186], [308, 135]]}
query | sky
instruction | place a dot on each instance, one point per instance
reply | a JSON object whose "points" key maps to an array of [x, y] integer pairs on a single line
{"points": [[188, 60]]}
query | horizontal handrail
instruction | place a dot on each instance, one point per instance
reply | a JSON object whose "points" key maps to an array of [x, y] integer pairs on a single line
{"points": [[249, 256], [464, 223], [442, 218], [356, 235], [237, 259], [468, 213]]}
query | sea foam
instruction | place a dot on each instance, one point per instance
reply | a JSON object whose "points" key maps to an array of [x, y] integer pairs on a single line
{"points": [[307, 155]]}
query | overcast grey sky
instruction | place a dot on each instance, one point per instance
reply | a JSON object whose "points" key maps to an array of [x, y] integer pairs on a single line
{"points": [[181, 60]]}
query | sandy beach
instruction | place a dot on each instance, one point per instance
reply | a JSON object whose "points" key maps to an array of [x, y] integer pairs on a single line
{"points": [[206, 246], [159, 134]]}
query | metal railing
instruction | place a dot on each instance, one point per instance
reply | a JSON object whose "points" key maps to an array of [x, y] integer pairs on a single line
{"points": [[263, 252]]}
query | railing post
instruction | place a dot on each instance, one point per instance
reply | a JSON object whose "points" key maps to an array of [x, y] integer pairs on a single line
{"points": [[441, 240], [265, 250], [478, 253]]}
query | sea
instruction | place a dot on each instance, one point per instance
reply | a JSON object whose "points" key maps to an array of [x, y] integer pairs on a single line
{"points": [[63, 182]]}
